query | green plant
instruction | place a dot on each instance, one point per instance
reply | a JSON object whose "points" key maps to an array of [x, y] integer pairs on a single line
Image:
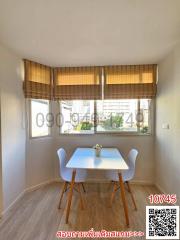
{"points": [[113, 122], [144, 129], [84, 126]]}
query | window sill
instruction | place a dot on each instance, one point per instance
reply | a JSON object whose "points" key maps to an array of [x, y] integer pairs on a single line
{"points": [[40, 137], [107, 134]]}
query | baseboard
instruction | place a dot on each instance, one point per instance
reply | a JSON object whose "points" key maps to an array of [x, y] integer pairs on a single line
{"points": [[160, 188], [101, 180], [35, 187], [141, 182], [57, 180], [5, 212], [87, 180]]}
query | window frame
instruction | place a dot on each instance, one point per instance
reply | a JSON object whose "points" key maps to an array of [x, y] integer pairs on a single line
{"points": [[30, 119], [116, 133]]}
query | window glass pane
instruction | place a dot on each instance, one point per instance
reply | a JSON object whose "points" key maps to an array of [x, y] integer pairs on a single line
{"points": [[39, 117], [116, 115], [125, 115], [77, 116]]}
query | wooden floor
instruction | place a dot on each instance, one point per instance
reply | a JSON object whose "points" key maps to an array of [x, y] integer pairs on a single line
{"points": [[36, 217]]}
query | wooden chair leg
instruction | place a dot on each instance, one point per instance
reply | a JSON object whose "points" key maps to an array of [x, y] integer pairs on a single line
{"points": [[83, 187], [66, 188], [62, 192], [129, 189], [81, 198], [121, 183], [70, 195], [113, 193]]}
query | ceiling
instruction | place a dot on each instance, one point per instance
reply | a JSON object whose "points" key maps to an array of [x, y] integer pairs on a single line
{"points": [[90, 32]]}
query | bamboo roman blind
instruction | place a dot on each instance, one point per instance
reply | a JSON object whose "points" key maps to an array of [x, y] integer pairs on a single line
{"points": [[37, 82], [71, 83], [85, 83], [130, 81]]}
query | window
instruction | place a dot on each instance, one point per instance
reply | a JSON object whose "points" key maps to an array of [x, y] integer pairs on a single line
{"points": [[124, 115], [39, 118]]}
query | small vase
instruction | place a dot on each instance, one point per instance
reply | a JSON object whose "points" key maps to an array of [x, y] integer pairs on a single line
{"points": [[98, 152]]}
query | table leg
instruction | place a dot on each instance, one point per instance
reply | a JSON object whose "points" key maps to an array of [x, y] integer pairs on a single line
{"points": [[123, 198], [70, 195]]}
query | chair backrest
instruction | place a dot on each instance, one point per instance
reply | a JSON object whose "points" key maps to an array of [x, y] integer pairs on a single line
{"points": [[62, 161], [132, 156]]}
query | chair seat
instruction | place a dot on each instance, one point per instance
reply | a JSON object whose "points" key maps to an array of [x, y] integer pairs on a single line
{"points": [[80, 175], [128, 174], [113, 176]]}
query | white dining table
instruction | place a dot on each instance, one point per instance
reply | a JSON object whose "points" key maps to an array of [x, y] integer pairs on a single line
{"points": [[109, 159]]}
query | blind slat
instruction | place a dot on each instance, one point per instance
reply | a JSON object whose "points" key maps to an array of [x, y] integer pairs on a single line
{"points": [[77, 83], [37, 82], [131, 81]]}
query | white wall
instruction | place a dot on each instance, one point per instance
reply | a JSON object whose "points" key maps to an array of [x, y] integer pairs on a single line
{"points": [[168, 111], [12, 131], [40, 163]]}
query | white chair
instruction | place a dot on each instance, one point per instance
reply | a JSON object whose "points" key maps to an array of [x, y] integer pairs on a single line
{"points": [[126, 175], [66, 174]]}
